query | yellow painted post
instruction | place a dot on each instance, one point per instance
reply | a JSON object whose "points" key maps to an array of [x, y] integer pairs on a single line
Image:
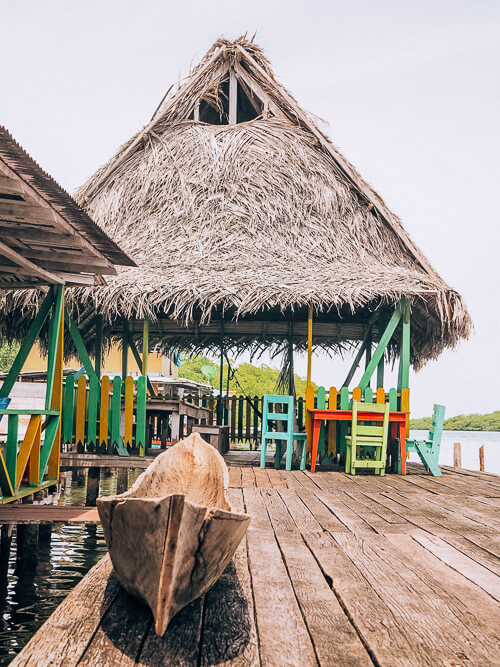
{"points": [[81, 395], [332, 425], [103, 426], [309, 344], [309, 406], [129, 410], [405, 407], [34, 462], [380, 395], [356, 394], [57, 396]]}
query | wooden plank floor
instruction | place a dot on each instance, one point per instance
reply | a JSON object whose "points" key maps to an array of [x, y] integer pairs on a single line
{"points": [[335, 570], [47, 514]]}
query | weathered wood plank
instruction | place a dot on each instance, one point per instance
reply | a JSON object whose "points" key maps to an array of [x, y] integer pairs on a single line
{"points": [[335, 640], [65, 636], [280, 643]]}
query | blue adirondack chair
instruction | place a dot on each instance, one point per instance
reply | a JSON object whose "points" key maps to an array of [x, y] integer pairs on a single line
{"points": [[428, 449], [287, 435]]}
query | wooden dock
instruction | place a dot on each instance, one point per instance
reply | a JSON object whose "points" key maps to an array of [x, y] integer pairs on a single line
{"points": [[335, 570], [36, 514]]}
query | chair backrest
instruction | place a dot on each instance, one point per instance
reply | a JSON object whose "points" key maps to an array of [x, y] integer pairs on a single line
{"points": [[378, 431], [436, 429], [271, 401]]}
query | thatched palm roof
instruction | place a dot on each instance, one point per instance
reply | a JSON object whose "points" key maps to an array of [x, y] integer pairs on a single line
{"points": [[255, 220]]}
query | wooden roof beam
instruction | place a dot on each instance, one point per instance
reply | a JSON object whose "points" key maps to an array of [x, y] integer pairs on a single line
{"points": [[31, 269]]}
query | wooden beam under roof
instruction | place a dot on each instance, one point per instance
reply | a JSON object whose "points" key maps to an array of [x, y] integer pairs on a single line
{"points": [[31, 268]]}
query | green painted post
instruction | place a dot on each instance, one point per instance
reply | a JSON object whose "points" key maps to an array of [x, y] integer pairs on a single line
{"points": [[240, 418], [116, 406], [48, 442], [125, 350], [68, 409], [94, 396], [393, 399], [379, 350], [11, 449], [140, 416], [145, 346], [54, 331], [404, 360], [380, 372], [80, 347], [27, 344], [256, 421], [98, 346], [343, 426]]}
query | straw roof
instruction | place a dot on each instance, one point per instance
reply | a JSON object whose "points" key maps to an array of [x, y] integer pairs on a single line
{"points": [[253, 220]]}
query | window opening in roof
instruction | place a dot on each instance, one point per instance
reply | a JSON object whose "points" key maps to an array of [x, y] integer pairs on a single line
{"points": [[215, 107]]}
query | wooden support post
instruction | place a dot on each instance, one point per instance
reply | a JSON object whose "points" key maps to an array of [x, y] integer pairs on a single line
{"points": [[404, 360], [78, 476], [92, 487], [220, 403], [357, 359], [57, 385], [233, 97], [45, 534], [145, 346], [98, 346], [481, 458], [122, 480], [457, 455], [380, 372], [27, 547], [380, 349], [124, 350], [54, 334], [309, 344], [5, 544]]}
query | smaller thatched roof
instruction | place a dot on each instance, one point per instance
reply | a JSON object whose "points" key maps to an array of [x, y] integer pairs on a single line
{"points": [[253, 217]]}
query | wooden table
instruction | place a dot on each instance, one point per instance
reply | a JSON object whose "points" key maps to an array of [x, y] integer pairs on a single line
{"points": [[396, 418]]}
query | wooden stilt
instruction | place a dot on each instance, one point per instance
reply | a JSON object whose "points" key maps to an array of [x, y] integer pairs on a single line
{"points": [[92, 487], [481, 458], [122, 480], [5, 544]]}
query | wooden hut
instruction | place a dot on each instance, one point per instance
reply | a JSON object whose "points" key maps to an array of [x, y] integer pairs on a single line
{"points": [[244, 221], [47, 241]]}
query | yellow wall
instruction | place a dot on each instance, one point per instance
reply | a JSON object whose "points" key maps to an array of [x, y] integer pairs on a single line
{"points": [[158, 364]]}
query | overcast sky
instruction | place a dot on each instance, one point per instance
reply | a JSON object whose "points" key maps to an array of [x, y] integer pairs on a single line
{"points": [[410, 91]]}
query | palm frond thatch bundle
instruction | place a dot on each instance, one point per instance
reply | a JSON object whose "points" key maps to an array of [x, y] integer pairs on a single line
{"points": [[243, 219]]}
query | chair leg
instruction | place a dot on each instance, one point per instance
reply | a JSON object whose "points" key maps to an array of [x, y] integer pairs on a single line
{"points": [[277, 456], [303, 455], [263, 448], [289, 453], [348, 459]]}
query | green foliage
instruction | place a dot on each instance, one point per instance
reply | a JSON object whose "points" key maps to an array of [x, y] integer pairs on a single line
{"points": [[253, 380], [8, 353], [474, 422]]}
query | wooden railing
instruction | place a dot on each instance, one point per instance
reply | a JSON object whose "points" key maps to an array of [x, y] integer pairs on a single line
{"points": [[34, 463], [92, 414]]}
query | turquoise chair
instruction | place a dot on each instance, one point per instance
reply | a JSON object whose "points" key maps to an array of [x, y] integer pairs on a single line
{"points": [[428, 449], [286, 435]]}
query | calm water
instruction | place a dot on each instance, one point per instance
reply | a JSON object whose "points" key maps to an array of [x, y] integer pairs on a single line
{"points": [[27, 599]]}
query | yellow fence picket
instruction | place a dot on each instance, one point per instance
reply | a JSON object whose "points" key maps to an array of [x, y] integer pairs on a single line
{"points": [[405, 407], [34, 459], [356, 394], [26, 447], [380, 395]]}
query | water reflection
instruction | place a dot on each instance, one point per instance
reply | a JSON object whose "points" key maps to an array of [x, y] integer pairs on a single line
{"points": [[29, 595]]}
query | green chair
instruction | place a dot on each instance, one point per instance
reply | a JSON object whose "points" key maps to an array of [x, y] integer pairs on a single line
{"points": [[367, 437], [428, 449], [269, 403]]}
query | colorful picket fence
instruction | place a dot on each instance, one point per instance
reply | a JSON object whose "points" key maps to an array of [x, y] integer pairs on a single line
{"points": [[107, 416]]}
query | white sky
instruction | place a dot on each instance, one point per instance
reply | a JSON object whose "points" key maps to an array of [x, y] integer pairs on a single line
{"points": [[410, 90]]}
